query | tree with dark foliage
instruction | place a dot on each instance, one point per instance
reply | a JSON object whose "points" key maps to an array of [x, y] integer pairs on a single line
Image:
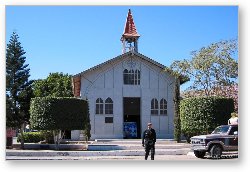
{"points": [[18, 86]]}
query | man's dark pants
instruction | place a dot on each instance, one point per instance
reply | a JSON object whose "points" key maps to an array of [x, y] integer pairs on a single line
{"points": [[149, 148]]}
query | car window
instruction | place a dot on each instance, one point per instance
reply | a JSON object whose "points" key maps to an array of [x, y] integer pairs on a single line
{"points": [[221, 130]]}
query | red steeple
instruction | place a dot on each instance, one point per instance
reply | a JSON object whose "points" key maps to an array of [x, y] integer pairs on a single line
{"points": [[129, 28], [130, 36]]}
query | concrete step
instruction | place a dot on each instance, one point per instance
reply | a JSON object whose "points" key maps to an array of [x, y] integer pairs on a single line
{"points": [[131, 141], [139, 152], [97, 147], [132, 144]]}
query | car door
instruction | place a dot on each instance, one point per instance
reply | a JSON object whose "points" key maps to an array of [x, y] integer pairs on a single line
{"points": [[233, 138]]}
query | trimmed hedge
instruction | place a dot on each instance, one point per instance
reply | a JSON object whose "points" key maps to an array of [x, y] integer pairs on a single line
{"points": [[57, 113], [200, 115], [31, 137]]}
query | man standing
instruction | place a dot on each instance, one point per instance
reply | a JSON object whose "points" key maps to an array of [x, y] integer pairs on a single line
{"points": [[148, 141], [234, 119]]}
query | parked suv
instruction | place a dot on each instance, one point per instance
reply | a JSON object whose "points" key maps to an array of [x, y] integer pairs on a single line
{"points": [[223, 138]]}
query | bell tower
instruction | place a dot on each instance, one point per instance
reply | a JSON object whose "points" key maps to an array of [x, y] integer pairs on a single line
{"points": [[130, 36]]}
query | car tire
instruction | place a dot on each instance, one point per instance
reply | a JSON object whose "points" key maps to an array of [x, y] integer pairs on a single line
{"points": [[216, 151], [199, 154]]}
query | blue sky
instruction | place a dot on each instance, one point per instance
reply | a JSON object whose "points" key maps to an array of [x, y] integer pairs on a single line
{"points": [[71, 39]]}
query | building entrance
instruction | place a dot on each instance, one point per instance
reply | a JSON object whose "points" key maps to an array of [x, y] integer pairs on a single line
{"points": [[131, 117]]}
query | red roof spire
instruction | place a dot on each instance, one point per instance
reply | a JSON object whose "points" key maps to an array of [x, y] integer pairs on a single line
{"points": [[130, 36], [129, 29]]}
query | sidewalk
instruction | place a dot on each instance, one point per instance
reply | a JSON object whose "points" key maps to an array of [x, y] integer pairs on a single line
{"points": [[53, 153], [96, 155], [114, 149], [109, 158], [12, 154]]}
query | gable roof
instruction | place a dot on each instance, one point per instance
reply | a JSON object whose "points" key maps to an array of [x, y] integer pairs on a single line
{"points": [[76, 79], [120, 57]]}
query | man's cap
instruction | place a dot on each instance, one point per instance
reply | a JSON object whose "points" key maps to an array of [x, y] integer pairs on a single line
{"points": [[149, 123]]}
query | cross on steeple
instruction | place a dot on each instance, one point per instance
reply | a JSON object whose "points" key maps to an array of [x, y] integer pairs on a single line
{"points": [[130, 36]]}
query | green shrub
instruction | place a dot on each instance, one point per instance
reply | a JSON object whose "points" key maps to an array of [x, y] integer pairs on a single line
{"points": [[48, 136], [58, 113], [31, 137], [200, 115]]}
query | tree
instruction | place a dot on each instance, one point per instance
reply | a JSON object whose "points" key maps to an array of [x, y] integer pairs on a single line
{"points": [[59, 113], [18, 86], [230, 91], [211, 66], [10, 116], [179, 79], [177, 122], [200, 115], [55, 85]]}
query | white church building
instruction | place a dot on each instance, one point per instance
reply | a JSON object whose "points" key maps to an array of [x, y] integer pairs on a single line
{"points": [[127, 92]]}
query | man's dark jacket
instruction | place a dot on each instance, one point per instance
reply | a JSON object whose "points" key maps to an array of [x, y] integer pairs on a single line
{"points": [[149, 135]]}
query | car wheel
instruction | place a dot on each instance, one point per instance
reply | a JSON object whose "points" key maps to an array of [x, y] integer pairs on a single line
{"points": [[216, 152], [199, 154]]}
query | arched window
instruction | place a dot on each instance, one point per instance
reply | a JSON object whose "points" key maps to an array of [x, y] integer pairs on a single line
{"points": [[137, 77], [154, 107], [163, 107], [99, 106], [108, 106], [131, 77], [126, 77]]}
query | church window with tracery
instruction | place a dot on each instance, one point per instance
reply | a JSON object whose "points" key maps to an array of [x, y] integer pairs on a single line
{"points": [[131, 77]]}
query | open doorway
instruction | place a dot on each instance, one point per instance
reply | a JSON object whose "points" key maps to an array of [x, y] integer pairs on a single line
{"points": [[131, 118]]}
